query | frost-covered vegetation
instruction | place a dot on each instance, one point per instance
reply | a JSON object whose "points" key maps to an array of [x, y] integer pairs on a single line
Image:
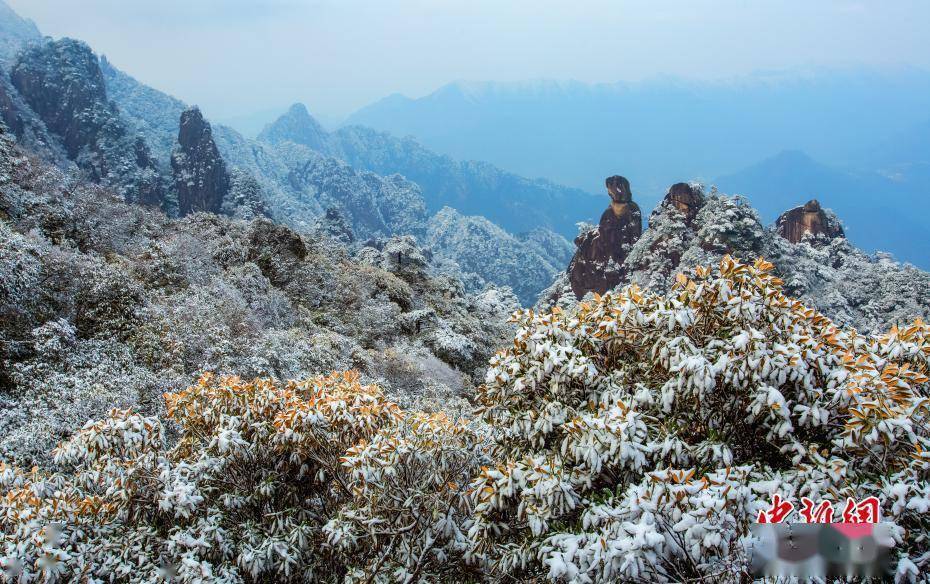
{"points": [[632, 438], [337, 428], [485, 253], [106, 304]]}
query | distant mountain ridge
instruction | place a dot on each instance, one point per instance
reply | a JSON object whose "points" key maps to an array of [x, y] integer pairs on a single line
{"points": [[859, 123], [475, 188], [571, 132], [302, 171]]}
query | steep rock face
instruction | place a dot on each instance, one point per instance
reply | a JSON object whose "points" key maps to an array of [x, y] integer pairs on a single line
{"points": [[200, 175], [29, 130], [808, 219], [62, 83], [600, 253]]}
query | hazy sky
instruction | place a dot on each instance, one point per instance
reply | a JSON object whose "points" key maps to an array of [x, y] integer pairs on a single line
{"points": [[236, 57]]}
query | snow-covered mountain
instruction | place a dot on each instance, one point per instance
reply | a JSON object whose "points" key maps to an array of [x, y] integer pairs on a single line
{"points": [[76, 110], [472, 187], [857, 123]]}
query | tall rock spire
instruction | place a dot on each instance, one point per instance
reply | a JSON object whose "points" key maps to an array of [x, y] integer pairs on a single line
{"points": [[598, 261], [200, 175]]}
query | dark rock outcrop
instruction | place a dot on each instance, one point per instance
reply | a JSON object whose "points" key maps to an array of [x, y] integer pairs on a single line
{"points": [[686, 198], [598, 262], [277, 251], [200, 175], [29, 130], [62, 84], [809, 218]]}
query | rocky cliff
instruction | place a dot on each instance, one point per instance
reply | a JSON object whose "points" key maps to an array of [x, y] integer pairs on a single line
{"points": [[598, 262], [808, 220], [62, 84], [200, 175]]}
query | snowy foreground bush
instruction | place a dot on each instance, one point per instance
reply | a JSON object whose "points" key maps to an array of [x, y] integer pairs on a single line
{"points": [[632, 438]]}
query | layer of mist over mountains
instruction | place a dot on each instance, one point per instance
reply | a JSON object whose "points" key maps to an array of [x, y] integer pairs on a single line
{"points": [[864, 131]]}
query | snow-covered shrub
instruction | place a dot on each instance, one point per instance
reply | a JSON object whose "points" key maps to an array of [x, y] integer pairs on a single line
{"points": [[66, 383], [638, 435], [635, 437], [317, 480]]}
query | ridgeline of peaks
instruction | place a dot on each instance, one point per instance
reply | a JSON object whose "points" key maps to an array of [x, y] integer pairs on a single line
{"points": [[688, 228], [513, 202], [362, 187], [779, 137], [75, 110]]}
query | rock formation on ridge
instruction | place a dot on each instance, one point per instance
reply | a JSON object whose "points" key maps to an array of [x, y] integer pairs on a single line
{"points": [[809, 218], [199, 171], [692, 228], [685, 197], [600, 253]]}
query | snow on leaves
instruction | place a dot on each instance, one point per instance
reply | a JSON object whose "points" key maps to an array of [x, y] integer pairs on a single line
{"points": [[634, 437]]}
